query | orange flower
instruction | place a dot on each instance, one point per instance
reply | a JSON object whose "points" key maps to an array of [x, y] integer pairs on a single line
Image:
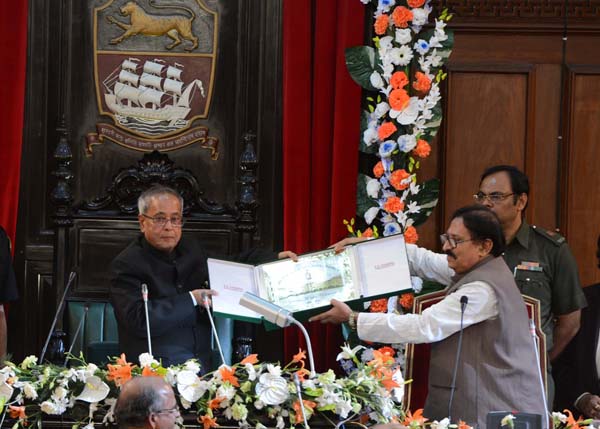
{"points": [[463, 425], [399, 80], [406, 300], [300, 356], [253, 358], [302, 373], [388, 382], [401, 16], [423, 83], [422, 150], [387, 350], [417, 418], [571, 423], [215, 403], [208, 422], [227, 374], [399, 99], [381, 24], [378, 170], [378, 306], [17, 412], [410, 235], [397, 178], [121, 372], [367, 232], [416, 3], [149, 372], [386, 129], [393, 205], [308, 409]]}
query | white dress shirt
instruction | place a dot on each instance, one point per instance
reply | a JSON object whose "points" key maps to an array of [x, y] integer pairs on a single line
{"points": [[438, 321]]}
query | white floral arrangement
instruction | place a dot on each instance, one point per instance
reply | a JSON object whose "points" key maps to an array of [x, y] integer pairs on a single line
{"points": [[248, 394], [402, 74]]}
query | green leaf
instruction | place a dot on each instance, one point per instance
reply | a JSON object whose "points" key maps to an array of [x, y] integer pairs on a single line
{"points": [[364, 123], [427, 199], [361, 62]]}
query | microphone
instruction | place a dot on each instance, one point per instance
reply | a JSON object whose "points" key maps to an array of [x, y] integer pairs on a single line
{"points": [[86, 308], [299, 390], [145, 298], [539, 368], [206, 303], [464, 300], [280, 317], [72, 277]]}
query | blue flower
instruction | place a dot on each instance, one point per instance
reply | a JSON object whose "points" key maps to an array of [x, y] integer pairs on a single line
{"points": [[391, 229], [422, 46], [386, 148]]}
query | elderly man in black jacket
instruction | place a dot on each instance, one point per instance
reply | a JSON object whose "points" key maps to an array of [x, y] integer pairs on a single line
{"points": [[174, 269]]}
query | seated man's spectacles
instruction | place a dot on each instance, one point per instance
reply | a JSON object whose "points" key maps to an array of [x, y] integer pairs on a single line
{"points": [[453, 242], [175, 409], [176, 221], [494, 197]]}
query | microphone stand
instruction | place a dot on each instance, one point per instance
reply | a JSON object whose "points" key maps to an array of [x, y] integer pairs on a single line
{"points": [[205, 302], [58, 312], [145, 298], [463, 305], [299, 389], [539, 368], [86, 308]]}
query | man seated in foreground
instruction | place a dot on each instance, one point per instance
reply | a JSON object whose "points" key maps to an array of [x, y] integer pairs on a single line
{"points": [[175, 271], [147, 403], [498, 367]]}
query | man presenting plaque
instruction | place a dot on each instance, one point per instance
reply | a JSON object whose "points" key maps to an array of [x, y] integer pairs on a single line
{"points": [[497, 369]]}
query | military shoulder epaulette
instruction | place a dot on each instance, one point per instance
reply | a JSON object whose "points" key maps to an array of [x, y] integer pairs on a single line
{"points": [[554, 237]]}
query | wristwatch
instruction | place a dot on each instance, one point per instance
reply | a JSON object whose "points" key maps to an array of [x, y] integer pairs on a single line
{"points": [[352, 320]]}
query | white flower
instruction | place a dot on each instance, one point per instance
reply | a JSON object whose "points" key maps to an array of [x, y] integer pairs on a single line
{"points": [[384, 6], [343, 408], [403, 36], [95, 390], [171, 376], [370, 136], [370, 215], [407, 142], [559, 416], [391, 229], [373, 187], [192, 365], [59, 393], [226, 391], [507, 420], [381, 109], [190, 386], [274, 369], [412, 207], [402, 55], [109, 417], [386, 148], [260, 425], [272, 389], [441, 424], [376, 80], [409, 114], [28, 362], [146, 359], [251, 371], [239, 412], [185, 403], [348, 353], [385, 43], [280, 424], [6, 392], [88, 426], [50, 407], [421, 46], [419, 16], [29, 391], [259, 405]]}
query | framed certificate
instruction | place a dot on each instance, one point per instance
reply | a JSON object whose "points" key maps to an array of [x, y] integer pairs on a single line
{"points": [[365, 271]]}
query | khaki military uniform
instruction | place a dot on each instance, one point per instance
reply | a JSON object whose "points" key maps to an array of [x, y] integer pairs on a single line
{"points": [[544, 268]]}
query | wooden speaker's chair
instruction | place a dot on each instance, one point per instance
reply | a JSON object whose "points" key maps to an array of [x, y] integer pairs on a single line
{"points": [[417, 355]]}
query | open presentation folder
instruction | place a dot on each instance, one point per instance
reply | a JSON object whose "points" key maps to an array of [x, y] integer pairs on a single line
{"points": [[365, 271]]}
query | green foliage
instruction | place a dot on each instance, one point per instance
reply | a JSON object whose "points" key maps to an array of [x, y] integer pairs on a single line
{"points": [[361, 62]]}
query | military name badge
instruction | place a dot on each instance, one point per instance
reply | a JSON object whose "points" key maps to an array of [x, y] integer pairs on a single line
{"points": [[154, 66]]}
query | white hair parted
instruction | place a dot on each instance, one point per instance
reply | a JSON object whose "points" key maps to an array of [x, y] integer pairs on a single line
{"points": [[156, 191]]}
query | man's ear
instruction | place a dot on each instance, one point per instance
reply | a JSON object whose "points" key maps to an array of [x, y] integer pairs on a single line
{"points": [[522, 202], [486, 247], [142, 221], [153, 420]]}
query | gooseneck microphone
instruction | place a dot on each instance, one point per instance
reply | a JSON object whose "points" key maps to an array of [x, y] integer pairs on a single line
{"points": [[464, 300], [72, 277], [145, 298], [206, 303], [279, 316], [538, 365]]}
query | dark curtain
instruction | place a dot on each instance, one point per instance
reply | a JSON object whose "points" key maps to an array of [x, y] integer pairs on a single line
{"points": [[13, 52], [321, 131]]}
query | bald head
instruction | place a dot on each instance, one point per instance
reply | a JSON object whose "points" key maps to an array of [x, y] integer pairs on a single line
{"points": [[140, 398]]}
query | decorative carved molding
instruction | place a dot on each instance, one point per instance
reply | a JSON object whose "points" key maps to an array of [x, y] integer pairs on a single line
{"points": [[61, 194], [247, 203], [521, 8], [153, 168]]}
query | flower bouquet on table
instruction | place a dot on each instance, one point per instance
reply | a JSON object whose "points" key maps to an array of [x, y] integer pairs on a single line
{"points": [[247, 394]]}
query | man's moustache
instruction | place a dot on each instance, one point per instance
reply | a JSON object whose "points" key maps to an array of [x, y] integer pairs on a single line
{"points": [[450, 253]]}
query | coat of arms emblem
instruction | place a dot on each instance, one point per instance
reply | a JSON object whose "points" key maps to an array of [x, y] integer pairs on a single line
{"points": [[154, 65]]}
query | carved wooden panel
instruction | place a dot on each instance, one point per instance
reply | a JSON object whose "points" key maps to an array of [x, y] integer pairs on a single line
{"points": [[486, 124], [582, 222]]}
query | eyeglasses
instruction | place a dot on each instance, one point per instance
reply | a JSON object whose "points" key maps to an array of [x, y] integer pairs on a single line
{"points": [[176, 221], [494, 197], [175, 409], [453, 242]]}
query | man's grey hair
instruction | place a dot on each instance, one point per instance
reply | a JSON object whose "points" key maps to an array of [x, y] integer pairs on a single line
{"points": [[156, 191], [133, 411]]}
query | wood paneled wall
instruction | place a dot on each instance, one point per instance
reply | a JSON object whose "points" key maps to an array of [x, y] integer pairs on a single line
{"points": [[503, 106]]}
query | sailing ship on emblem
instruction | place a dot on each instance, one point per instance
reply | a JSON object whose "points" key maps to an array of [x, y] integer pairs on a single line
{"points": [[151, 98]]}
